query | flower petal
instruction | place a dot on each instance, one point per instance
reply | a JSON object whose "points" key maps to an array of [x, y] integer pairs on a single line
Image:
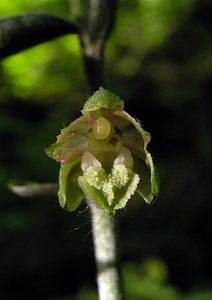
{"points": [[72, 141], [124, 157], [88, 160]]}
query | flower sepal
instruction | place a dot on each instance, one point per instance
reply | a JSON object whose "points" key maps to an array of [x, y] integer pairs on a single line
{"points": [[70, 195]]}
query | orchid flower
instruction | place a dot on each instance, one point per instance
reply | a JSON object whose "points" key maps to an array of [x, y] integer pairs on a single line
{"points": [[103, 156]]}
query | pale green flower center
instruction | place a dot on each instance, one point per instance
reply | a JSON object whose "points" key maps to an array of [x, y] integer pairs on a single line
{"points": [[118, 178]]}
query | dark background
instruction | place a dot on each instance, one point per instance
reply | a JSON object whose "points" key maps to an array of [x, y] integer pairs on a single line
{"points": [[159, 59]]}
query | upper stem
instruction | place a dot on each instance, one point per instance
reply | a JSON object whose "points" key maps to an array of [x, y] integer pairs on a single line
{"points": [[93, 56], [96, 19]]}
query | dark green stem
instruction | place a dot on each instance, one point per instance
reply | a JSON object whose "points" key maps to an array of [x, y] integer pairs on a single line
{"points": [[21, 32], [96, 19], [93, 56]]}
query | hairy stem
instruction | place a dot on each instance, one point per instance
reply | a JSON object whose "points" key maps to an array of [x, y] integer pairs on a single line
{"points": [[93, 40], [105, 245]]}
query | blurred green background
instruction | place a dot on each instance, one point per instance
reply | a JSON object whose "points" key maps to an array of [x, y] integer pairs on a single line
{"points": [[159, 59]]}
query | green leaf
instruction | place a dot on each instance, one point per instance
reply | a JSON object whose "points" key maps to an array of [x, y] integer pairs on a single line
{"points": [[18, 33], [70, 195]]}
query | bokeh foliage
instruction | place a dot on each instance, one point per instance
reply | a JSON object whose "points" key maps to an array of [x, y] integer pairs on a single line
{"points": [[159, 60]]}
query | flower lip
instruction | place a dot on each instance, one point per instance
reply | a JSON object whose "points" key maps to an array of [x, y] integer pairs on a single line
{"points": [[109, 187]]}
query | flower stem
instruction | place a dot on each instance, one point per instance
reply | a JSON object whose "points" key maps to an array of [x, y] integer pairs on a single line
{"points": [[105, 246], [93, 41]]}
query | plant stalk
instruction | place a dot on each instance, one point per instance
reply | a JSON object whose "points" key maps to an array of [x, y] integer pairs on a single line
{"points": [[93, 57], [93, 40], [105, 247]]}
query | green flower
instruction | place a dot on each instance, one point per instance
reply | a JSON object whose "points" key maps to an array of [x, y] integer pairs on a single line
{"points": [[103, 156]]}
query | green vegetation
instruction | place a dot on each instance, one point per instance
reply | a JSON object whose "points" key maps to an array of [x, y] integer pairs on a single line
{"points": [[158, 59]]}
